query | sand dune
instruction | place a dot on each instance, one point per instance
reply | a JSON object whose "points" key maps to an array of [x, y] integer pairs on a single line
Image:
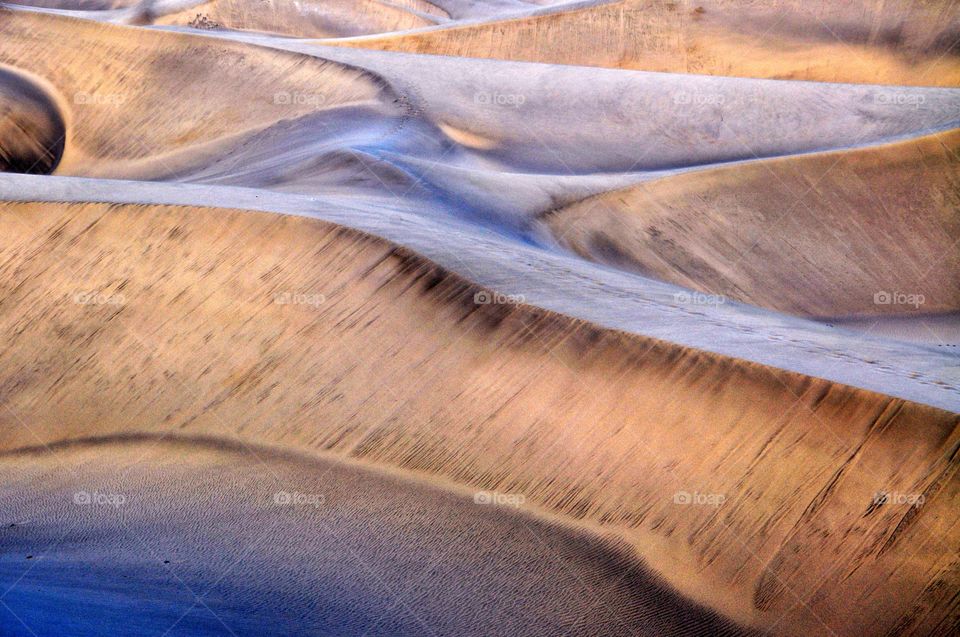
{"points": [[371, 342], [819, 235], [127, 113], [312, 19], [330, 356], [564, 283], [564, 120], [307, 122], [879, 41], [78, 5], [155, 514]]}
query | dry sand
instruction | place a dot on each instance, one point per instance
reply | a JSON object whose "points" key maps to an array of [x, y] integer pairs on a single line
{"points": [[367, 352], [297, 546], [840, 234], [395, 288], [879, 41]]}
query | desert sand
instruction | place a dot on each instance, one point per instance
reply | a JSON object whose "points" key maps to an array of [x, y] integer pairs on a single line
{"points": [[880, 42], [407, 318], [817, 235]]}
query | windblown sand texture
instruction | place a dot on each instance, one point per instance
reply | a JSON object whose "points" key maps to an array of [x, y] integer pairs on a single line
{"points": [[314, 322]]}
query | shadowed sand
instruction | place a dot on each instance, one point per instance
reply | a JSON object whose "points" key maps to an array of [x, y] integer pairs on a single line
{"points": [[336, 342], [218, 538], [32, 126]]}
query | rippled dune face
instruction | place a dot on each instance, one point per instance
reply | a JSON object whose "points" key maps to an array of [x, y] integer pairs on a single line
{"points": [[32, 128]]}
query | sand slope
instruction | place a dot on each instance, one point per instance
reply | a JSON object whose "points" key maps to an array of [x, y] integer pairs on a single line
{"points": [[879, 41], [817, 235], [330, 341], [215, 110], [567, 284], [366, 554], [169, 345], [326, 18], [160, 93]]}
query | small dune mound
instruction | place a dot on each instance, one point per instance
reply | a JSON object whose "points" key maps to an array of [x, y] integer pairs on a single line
{"points": [[32, 128], [341, 548]]}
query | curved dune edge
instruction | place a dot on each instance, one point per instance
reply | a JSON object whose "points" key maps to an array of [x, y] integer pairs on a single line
{"points": [[33, 125], [878, 42], [135, 80], [588, 424], [817, 235], [426, 543]]}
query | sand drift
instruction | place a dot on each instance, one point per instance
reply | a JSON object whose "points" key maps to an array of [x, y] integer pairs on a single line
{"points": [[306, 331]]}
